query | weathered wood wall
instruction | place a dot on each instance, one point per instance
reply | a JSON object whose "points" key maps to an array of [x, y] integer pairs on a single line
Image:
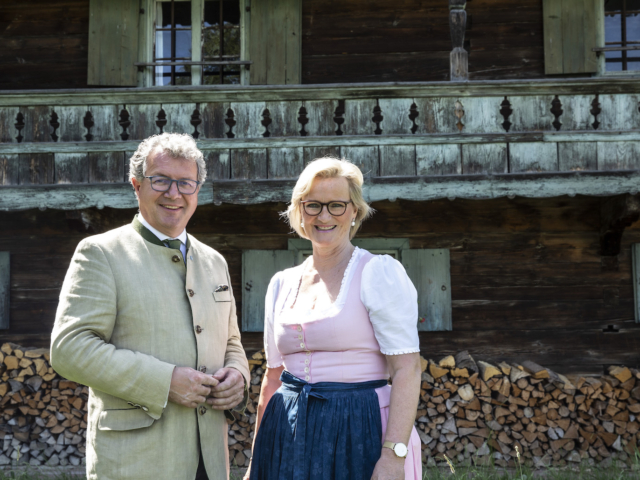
{"points": [[408, 40], [45, 44], [527, 279]]}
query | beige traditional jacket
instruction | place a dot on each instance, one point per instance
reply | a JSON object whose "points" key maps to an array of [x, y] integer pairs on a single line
{"points": [[130, 311]]}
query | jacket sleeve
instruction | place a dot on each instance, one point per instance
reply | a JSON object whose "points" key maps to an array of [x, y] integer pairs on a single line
{"points": [[235, 356], [80, 348]]}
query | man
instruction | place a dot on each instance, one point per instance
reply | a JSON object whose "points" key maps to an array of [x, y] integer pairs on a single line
{"points": [[148, 321]]}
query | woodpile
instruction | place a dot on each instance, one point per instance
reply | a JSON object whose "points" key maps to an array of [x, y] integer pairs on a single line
{"points": [[43, 417], [472, 412]]}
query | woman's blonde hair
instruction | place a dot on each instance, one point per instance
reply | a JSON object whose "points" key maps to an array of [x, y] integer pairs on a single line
{"points": [[328, 167]]}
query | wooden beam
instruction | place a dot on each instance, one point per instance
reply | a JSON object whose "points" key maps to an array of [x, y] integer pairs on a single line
{"points": [[416, 188], [616, 214], [333, 141], [5, 290], [265, 93]]}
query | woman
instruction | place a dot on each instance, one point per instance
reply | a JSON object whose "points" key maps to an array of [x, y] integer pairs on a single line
{"points": [[337, 327]]}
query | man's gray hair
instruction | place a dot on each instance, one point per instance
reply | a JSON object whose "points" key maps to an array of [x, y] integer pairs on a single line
{"points": [[176, 145]]}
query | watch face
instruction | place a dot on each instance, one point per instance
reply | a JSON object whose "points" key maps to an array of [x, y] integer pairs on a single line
{"points": [[401, 450]]}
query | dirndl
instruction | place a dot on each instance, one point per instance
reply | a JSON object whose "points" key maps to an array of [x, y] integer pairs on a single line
{"points": [[319, 431]]}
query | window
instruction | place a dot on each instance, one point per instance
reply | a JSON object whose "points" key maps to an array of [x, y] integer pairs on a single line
{"points": [[198, 41], [428, 269], [622, 35]]}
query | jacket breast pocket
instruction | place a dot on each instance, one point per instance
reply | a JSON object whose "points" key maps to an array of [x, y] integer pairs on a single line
{"points": [[222, 296], [125, 419]]}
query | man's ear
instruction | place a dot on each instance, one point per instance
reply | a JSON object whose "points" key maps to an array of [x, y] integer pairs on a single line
{"points": [[136, 186]]}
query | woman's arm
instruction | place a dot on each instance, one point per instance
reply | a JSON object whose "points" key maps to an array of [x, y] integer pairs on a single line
{"points": [[270, 384], [405, 394]]}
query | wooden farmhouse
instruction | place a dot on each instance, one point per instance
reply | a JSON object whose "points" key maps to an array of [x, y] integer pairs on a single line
{"points": [[500, 142]]}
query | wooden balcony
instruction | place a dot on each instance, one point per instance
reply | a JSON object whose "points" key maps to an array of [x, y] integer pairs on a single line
{"points": [[419, 141]]}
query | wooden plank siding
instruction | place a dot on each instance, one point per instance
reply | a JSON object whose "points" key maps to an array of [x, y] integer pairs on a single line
{"points": [[527, 279]]}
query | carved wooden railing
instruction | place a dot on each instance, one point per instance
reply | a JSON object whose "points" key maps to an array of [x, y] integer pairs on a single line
{"points": [[417, 141]]}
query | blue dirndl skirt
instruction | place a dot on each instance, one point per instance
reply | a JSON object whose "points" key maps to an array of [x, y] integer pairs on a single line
{"points": [[319, 431]]}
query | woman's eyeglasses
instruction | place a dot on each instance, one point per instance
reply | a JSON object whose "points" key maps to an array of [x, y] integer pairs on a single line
{"points": [[335, 208]]}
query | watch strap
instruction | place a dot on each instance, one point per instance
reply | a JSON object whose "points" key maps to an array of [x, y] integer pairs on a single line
{"points": [[392, 446]]}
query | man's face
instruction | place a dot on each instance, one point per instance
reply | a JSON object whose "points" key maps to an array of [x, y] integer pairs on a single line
{"points": [[168, 212]]}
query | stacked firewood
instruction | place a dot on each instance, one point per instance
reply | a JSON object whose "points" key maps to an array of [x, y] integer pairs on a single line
{"points": [[42, 416], [471, 412], [478, 413]]}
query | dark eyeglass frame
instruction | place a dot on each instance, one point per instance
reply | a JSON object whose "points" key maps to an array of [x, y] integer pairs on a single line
{"points": [[322, 205], [171, 180]]}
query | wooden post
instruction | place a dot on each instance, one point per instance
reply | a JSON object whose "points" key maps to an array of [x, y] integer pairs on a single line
{"points": [[459, 56]]}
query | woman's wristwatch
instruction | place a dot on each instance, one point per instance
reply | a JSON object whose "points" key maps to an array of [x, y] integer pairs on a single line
{"points": [[400, 449]]}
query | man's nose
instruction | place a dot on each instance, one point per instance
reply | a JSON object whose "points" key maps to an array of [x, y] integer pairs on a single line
{"points": [[173, 191]]}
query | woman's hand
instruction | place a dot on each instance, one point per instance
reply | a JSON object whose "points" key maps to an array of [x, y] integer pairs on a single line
{"points": [[389, 467]]}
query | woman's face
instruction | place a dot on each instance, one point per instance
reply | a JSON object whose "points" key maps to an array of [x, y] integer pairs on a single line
{"points": [[327, 230]]}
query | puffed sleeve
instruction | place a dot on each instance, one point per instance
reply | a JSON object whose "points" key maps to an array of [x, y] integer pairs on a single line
{"points": [[274, 359], [392, 303]]}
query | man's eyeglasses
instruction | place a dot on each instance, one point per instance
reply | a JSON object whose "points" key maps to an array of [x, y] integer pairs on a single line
{"points": [[335, 208], [162, 184]]}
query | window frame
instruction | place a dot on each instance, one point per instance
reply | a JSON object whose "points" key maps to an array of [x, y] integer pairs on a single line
{"points": [[623, 43], [147, 33]]}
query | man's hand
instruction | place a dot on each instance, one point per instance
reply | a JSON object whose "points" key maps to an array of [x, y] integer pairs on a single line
{"points": [[189, 387], [229, 392]]}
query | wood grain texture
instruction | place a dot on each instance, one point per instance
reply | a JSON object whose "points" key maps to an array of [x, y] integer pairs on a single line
{"points": [[213, 117], [478, 158], [635, 263], [531, 113], [35, 169], [313, 153], [5, 290], [8, 131], [577, 156], [367, 159], [36, 120], [358, 117], [143, 120], [248, 117], [619, 111], [71, 168], [284, 119], [113, 42], [438, 159], [430, 274], [9, 169], [105, 118], [533, 157], [285, 162], [400, 160], [320, 116], [106, 167], [179, 117], [437, 115], [618, 155], [396, 116], [482, 114], [218, 164], [577, 112], [71, 123], [249, 164]]}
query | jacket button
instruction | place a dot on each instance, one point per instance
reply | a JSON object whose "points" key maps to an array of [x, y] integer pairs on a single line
{"points": [[191, 292], [203, 369], [199, 329], [175, 259], [203, 410]]}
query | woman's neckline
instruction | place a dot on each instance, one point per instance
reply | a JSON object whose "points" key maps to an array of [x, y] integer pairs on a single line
{"points": [[345, 276]]}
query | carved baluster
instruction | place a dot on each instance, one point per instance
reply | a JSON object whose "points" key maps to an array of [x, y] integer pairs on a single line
{"points": [[88, 124], [195, 121], [458, 111], [230, 122], [506, 112], [54, 124], [595, 111], [303, 119], [377, 118], [459, 56], [19, 126], [266, 121], [556, 109], [161, 120], [338, 116], [413, 114], [124, 123]]}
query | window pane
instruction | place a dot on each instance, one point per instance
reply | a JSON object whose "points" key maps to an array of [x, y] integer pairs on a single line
{"points": [[613, 61], [163, 76], [183, 44], [232, 40], [183, 75], [634, 62], [163, 44], [231, 12], [182, 14], [613, 29], [211, 75], [633, 28], [164, 15], [210, 43], [613, 5], [231, 75], [211, 13]]}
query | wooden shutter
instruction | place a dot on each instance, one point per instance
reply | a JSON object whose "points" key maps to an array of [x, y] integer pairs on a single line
{"points": [[258, 266], [430, 273], [4, 290], [572, 28], [113, 42], [275, 42]]}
